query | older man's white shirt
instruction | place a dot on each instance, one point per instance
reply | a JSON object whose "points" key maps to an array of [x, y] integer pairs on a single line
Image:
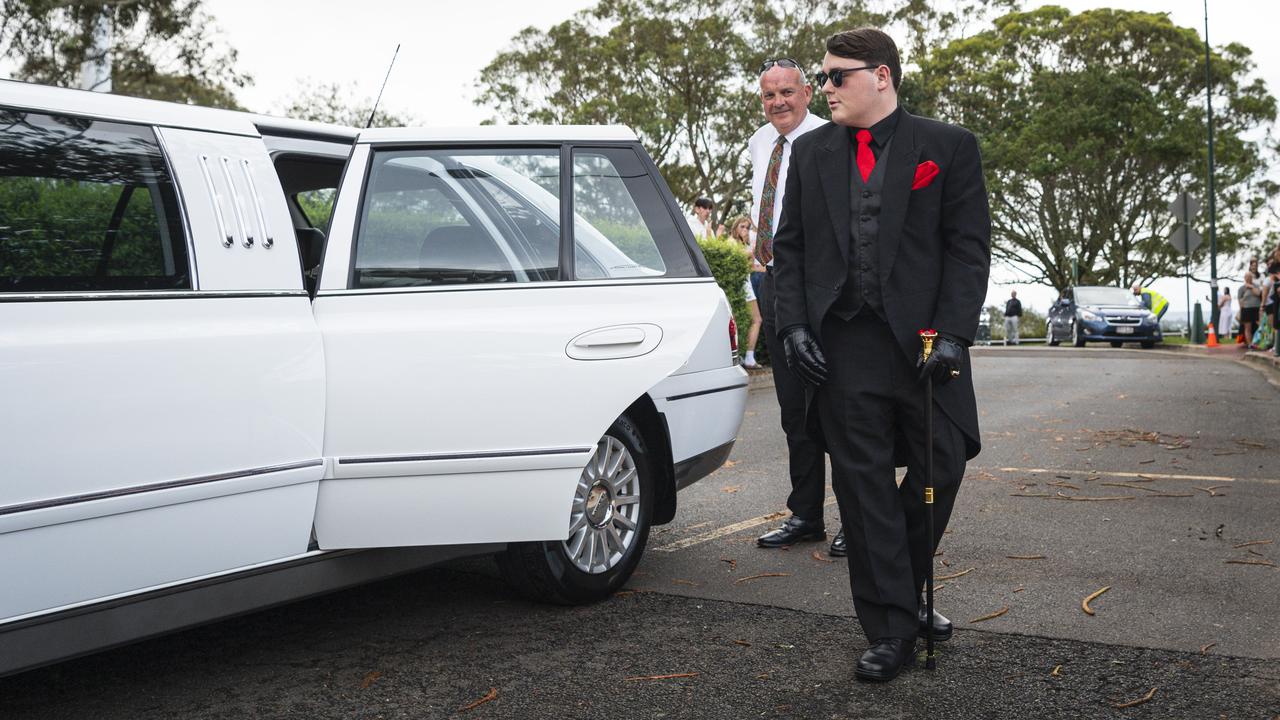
{"points": [[760, 146]]}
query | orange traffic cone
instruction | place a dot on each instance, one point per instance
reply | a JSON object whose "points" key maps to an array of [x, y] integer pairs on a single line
{"points": [[1213, 337]]}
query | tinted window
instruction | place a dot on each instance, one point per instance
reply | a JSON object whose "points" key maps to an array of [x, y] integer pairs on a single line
{"points": [[1106, 296], [455, 216], [623, 227], [86, 205]]}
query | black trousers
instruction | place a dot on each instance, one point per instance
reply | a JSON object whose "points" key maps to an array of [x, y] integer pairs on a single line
{"points": [[805, 457], [872, 400]]}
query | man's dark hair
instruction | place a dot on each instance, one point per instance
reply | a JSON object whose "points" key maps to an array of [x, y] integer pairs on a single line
{"points": [[704, 202], [871, 45]]}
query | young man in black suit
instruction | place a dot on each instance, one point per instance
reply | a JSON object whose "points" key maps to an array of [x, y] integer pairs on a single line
{"points": [[885, 231]]}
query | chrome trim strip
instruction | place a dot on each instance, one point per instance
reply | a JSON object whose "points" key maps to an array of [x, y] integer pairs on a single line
{"points": [[168, 485], [236, 203], [147, 295], [462, 456], [267, 240], [479, 287], [706, 392], [227, 240]]}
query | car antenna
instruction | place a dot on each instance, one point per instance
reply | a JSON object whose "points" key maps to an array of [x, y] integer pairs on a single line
{"points": [[384, 87]]}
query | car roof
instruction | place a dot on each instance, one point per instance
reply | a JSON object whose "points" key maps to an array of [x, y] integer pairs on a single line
{"points": [[500, 133], [44, 98]]}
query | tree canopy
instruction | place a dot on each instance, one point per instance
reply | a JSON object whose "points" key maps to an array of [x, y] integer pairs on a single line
{"points": [[1090, 124], [160, 49]]}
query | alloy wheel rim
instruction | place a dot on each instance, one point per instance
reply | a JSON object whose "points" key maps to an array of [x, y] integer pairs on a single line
{"points": [[606, 509]]}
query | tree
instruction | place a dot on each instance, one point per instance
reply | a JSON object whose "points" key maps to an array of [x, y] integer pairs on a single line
{"points": [[160, 49], [1089, 125], [683, 75], [333, 103]]}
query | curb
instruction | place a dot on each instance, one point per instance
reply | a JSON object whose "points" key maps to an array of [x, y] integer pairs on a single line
{"points": [[759, 379]]}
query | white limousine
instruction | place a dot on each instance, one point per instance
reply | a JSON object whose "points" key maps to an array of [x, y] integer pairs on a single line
{"points": [[245, 360]]}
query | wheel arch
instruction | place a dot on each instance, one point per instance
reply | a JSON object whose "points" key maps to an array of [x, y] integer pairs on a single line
{"points": [[657, 439]]}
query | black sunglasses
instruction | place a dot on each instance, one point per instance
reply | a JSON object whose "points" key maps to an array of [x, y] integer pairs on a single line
{"points": [[780, 62], [837, 76]]}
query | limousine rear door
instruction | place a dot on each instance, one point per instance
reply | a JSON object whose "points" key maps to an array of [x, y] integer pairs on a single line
{"points": [[475, 352]]}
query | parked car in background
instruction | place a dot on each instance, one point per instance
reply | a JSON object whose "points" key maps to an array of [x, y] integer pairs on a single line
{"points": [[222, 393], [1093, 313]]}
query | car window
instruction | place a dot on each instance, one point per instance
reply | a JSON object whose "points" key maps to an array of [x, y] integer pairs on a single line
{"points": [[1106, 296], [623, 228], [459, 216], [86, 205]]}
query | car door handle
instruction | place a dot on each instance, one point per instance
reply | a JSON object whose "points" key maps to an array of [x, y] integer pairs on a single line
{"points": [[630, 335], [615, 342]]}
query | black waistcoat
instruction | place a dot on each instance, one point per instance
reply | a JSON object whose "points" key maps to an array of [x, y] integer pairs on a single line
{"points": [[862, 285]]}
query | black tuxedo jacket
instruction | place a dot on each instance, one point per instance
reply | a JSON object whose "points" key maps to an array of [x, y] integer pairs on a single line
{"points": [[934, 243]]}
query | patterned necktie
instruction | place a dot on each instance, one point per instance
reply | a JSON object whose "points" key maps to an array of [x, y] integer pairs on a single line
{"points": [[866, 159], [764, 224]]}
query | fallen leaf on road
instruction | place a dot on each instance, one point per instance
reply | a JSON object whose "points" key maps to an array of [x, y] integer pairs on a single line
{"points": [[370, 679], [1139, 701], [1211, 490], [1205, 649], [730, 488], [1040, 495], [939, 553], [1063, 477], [762, 676], [1057, 671], [817, 555], [493, 695], [946, 563], [678, 581], [1255, 552], [1019, 589], [761, 575], [992, 616], [1069, 486], [1253, 542], [1228, 452], [743, 643], [1025, 557], [729, 463], [672, 676], [1131, 486], [1084, 604], [1169, 494], [1267, 563], [733, 564], [953, 576], [1146, 462], [1252, 444], [1145, 478], [621, 593], [1083, 498]]}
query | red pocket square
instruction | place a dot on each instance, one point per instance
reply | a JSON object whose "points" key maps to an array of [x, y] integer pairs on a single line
{"points": [[925, 173]]}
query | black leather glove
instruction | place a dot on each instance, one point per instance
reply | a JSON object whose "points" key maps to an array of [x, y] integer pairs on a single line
{"points": [[945, 363], [804, 355]]}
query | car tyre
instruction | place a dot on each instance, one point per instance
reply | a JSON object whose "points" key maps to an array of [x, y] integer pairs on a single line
{"points": [[1076, 338], [608, 527], [1050, 339]]}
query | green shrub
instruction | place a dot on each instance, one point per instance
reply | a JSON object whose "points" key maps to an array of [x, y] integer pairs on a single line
{"points": [[731, 265]]}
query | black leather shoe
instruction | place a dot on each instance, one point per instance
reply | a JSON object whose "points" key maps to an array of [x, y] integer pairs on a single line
{"points": [[792, 531], [885, 659], [838, 548], [941, 625]]}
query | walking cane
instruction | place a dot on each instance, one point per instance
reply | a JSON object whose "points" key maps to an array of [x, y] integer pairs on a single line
{"points": [[927, 337]]}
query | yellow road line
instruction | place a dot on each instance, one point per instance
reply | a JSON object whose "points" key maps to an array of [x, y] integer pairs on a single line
{"points": [[1115, 473], [727, 530]]}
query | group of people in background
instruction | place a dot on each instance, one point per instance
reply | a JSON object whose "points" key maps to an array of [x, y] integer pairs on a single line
{"points": [[1257, 301]]}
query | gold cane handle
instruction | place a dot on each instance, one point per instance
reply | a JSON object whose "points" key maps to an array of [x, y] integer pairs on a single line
{"points": [[927, 337]]}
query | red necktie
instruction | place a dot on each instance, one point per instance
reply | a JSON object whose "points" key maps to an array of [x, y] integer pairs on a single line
{"points": [[866, 160]]}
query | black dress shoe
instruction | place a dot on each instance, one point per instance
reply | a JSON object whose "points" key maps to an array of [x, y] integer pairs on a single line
{"points": [[838, 548], [792, 531], [885, 659], [941, 625]]}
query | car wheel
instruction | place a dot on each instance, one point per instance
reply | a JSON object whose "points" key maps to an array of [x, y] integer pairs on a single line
{"points": [[608, 527], [1148, 344], [1076, 338], [1117, 343], [1050, 339]]}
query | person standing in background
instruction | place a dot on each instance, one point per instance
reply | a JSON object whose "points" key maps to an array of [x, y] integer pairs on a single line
{"points": [[785, 96], [1250, 302], [700, 221], [1012, 316], [740, 231], [1226, 313]]}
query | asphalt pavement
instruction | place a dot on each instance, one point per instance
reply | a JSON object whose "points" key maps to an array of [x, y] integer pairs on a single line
{"points": [[1155, 475]]}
